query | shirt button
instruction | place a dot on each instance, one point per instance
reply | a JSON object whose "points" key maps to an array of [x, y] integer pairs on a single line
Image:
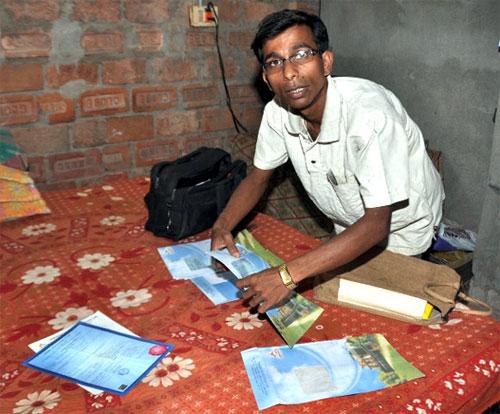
{"points": [[313, 162]]}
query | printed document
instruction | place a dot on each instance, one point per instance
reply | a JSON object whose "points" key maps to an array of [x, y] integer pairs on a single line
{"points": [[100, 358]]}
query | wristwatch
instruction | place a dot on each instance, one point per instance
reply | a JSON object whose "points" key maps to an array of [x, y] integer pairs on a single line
{"points": [[286, 277]]}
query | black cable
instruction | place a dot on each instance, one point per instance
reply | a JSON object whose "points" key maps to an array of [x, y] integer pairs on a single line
{"points": [[236, 121]]}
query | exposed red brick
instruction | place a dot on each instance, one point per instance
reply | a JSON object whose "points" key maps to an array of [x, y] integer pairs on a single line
{"points": [[149, 153], [37, 169], [97, 10], [251, 117], [150, 40], [146, 11], [89, 134], [255, 11], [213, 70], [173, 69], [17, 109], [244, 93], [196, 96], [176, 123], [59, 75], [104, 102], [241, 40], [116, 157], [47, 10], [194, 143], [57, 108], [124, 71], [26, 77], [129, 128], [215, 119], [27, 44], [229, 11], [153, 98], [103, 42], [76, 165], [42, 139], [197, 38]]}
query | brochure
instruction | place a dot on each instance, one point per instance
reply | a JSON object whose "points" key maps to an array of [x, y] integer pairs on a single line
{"points": [[297, 314], [100, 358], [98, 319], [191, 261], [318, 370]]}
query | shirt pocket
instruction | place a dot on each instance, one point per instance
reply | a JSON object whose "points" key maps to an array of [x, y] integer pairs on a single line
{"points": [[349, 199]]}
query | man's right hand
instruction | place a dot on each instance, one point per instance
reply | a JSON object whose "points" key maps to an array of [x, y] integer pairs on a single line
{"points": [[222, 238]]}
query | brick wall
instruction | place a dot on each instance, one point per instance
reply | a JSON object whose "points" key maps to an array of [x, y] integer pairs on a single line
{"points": [[93, 89]]}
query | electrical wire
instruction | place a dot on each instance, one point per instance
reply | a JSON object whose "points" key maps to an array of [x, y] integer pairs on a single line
{"points": [[236, 122]]}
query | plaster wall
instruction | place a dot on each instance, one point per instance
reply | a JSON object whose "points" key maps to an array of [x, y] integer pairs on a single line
{"points": [[441, 59]]}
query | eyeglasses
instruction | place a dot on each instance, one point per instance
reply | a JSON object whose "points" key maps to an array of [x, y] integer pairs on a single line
{"points": [[299, 58]]}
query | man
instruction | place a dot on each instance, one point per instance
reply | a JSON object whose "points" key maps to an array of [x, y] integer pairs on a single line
{"points": [[357, 153]]}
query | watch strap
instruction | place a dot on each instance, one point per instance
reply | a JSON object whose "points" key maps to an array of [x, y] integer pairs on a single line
{"points": [[286, 277]]}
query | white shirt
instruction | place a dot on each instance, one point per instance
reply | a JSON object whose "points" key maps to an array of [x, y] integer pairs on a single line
{"points": [[369, 153]]}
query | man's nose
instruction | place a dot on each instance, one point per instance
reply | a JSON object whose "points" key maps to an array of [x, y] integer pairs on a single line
{"points": [[289, 70]]}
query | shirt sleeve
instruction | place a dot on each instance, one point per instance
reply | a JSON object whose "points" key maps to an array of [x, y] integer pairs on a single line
{"points": [[270, 150], [378, 154]]}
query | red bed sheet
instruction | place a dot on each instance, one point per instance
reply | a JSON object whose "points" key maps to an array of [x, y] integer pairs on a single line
{"points": [[92, 253]]}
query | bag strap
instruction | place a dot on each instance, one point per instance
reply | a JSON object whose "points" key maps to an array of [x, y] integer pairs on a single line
{"points": [[487, 309]]}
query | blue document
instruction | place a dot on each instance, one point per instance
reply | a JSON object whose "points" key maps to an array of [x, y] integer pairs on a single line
{"points": [[100, 358]]}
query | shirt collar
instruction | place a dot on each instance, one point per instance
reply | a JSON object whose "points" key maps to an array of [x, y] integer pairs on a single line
{"points": [[330, 124]]}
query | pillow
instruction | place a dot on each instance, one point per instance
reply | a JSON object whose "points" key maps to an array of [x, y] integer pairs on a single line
{"points": [[18, 195]]}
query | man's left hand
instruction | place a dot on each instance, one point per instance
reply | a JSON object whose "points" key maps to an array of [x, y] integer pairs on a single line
{"points": [[263, 290]]}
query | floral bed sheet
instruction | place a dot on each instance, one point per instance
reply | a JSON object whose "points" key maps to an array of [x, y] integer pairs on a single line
{"points": [[92, 253]]}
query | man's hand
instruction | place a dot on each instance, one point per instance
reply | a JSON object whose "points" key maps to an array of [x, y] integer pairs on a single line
{"points": [[223, 238], [263, 290]]}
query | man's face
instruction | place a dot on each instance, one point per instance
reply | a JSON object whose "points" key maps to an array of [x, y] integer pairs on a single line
{"points": [[300, 87]]}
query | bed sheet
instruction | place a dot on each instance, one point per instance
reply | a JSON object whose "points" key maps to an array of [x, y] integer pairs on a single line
{"points": [[92, 253]]}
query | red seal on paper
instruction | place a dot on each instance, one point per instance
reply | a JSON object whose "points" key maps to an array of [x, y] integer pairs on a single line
{"points": [[157, 350]]}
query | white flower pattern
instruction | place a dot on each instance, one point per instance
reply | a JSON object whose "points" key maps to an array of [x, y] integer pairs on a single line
{"points": [[36, 403], [244, 320], [112, 221], [69, 316], [95, 261], [130, 298], [38, 229], [169, 370], [41, 274]]}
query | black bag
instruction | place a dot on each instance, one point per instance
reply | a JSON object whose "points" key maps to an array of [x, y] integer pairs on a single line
{"points": [[187, 195]]}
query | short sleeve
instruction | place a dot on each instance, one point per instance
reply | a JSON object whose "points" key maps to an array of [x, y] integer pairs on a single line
{"points": [[378, 155], [270, 150]]}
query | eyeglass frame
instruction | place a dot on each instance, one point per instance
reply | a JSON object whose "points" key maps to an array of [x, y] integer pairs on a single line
{"points": [[309, 53]]}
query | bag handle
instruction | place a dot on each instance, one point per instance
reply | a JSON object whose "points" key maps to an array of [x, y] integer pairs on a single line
{"points": [[486, 311]]}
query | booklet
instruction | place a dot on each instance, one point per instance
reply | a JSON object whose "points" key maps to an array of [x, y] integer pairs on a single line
{"points": [[318, 370], [100, 358], [98, 319], [191, 261], [297, 314]]}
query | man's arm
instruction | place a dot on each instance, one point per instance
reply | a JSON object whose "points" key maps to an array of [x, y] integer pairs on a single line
{"points": [[245, 197], [267, 289]]}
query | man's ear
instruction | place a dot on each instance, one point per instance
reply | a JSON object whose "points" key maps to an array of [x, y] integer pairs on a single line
{"points": [[328, 61], [264, 77]]}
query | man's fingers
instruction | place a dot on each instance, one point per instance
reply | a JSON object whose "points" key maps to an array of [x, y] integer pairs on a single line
{"points": [[231, 247]]}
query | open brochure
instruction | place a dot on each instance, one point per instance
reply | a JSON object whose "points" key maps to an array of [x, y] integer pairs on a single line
{"points": [[317, 370], [193, 261]]}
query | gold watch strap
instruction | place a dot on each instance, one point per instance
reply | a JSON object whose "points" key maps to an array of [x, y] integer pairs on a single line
{"points": [[286, 277]]}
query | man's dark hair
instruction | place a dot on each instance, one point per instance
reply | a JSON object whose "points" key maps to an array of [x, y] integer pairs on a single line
{"points": [[276, 23]]}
